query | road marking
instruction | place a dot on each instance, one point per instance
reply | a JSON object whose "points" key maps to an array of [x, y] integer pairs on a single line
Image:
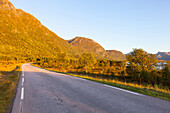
{"points": [[22, 90], [80, 78], [20, 107], [22, 80], [123, 90], [22, 93]]}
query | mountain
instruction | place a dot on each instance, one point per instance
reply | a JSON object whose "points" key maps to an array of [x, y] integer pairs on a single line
{"points": [[88, 45], [22, 34], [163, 56], [114, 54], [6, 5], [91, 46], [128, 53]]}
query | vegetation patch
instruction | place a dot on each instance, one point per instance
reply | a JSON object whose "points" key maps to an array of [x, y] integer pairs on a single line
{"points": [[9, 76], [154, 91], [140, 74]]}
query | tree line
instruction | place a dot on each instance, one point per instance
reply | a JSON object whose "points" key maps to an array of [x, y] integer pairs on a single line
{"points": [[140, 67]]}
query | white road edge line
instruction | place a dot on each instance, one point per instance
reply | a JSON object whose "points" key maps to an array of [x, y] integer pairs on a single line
{"points": [[107, 85], [123, 90], [22, 93], [80, 78]]}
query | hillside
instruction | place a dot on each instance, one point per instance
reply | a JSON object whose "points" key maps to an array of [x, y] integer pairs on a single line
{"points": [[21, 34], [88, 45], [91, 46], [163, 56], [114, 54]]}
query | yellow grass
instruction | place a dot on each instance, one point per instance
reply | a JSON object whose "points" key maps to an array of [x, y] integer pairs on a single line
{"points": [[150, 90], [8, 83], [156, 88]]}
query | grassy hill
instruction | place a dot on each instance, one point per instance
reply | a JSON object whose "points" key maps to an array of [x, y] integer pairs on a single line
{"points": [[114, 54], [22, 34], [99, 52], [88, 45]]}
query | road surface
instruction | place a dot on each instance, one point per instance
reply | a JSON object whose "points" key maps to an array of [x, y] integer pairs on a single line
{"points": [[42, 91]]}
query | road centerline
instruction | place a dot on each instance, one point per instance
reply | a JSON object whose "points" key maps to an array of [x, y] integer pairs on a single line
{"points": [[22, 93], [22, 80]]}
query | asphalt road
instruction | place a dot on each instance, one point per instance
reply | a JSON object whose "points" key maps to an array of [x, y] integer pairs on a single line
{"points": [[42, 91]]}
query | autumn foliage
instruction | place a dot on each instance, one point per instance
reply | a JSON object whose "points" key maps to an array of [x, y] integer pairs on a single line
{"points": [[140, 67]]}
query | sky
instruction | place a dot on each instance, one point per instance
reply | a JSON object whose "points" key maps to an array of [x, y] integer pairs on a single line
{"points": [[115, 24]]}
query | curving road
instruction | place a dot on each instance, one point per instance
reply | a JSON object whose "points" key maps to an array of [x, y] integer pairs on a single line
{"points": [[42, 91]]}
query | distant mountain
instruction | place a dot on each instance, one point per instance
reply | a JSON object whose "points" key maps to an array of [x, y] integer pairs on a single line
{"points": [[132, 51], [114, 54], [160, 55], [163, 56], [128, 53], [88, 45], [91, 46]]}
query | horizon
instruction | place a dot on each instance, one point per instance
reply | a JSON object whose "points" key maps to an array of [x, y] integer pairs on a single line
{"points": [[123, 25]]}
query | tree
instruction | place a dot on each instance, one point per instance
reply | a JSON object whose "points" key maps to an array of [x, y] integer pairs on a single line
{"points": [[140, 63], [166, 75], [87, 61]]}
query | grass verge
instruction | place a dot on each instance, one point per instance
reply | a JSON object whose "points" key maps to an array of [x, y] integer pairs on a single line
{"points": [[147, 90], [8, 83]]}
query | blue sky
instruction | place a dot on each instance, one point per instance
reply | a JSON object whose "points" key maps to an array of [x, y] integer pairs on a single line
{"points": [[115, 24]]}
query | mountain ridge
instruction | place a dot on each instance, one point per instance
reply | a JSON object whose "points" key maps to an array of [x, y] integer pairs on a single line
{"points": [[163, 56], [160, 55], [87, 44], [21, 32], [6, 5], [95, 48], [23, 35], [115, 54]]}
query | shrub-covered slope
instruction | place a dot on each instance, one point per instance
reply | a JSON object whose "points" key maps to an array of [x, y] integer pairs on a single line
{"points": [[114, 54], [88, 45], [93, 47], [22, 34]]}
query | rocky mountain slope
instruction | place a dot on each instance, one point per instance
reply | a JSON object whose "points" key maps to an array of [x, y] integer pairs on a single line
{"points": [[163, 56], [160, 55]]}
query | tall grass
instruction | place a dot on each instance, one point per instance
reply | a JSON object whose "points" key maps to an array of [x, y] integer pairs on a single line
{"points": [[155, 91], [9, 76]]}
